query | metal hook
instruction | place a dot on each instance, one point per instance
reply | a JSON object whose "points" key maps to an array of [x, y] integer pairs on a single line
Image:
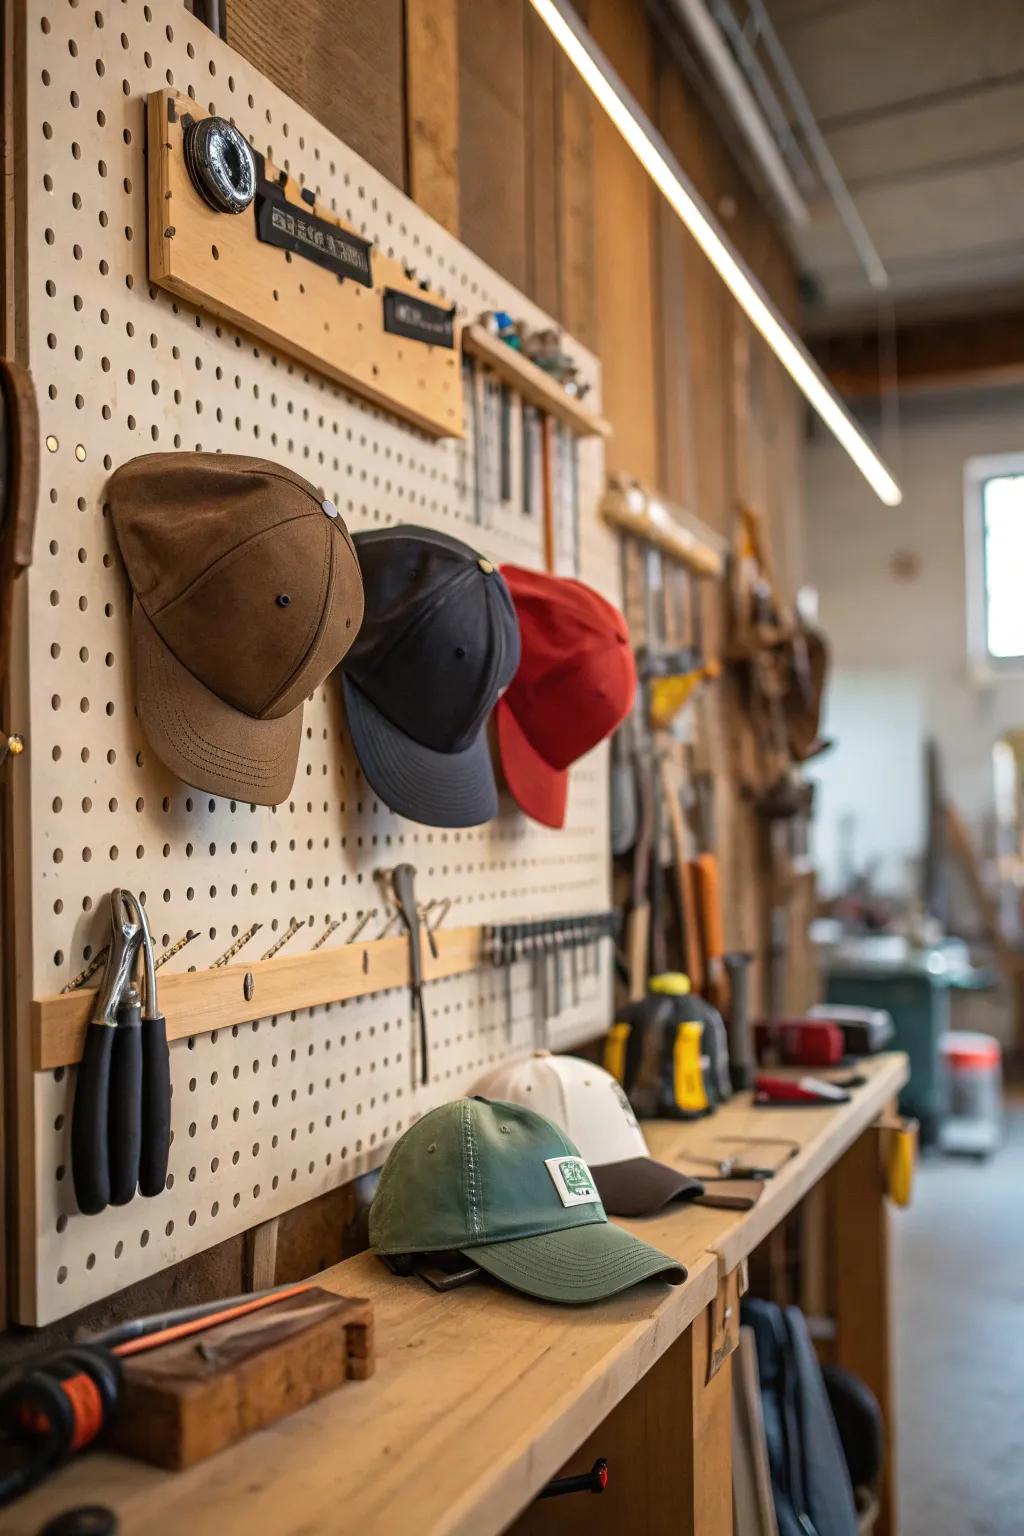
{"points": [[87, 971], [240, 942], [322, 940], [364, 918], [283, 940], [176, 948]]}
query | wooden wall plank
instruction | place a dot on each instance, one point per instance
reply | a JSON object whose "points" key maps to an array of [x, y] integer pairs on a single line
{"points": [[432, 108], [341, 60], [624, 242], [574, 155], [492, 134], [542, 177], [677, 444]]}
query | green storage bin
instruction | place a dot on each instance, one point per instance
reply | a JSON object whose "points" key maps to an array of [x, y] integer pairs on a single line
{"points": [[916, 988]]}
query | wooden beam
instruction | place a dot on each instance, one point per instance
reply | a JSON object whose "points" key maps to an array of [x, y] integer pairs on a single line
{"points": [[432, 108], [935, 354]]}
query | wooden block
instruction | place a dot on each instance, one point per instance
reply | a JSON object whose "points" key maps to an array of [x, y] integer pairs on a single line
{"points": [[196, 1396], [725, 1320], [215, 261]]}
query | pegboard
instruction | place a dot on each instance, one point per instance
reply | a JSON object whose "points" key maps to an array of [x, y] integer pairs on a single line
{"points": [[271, 1114]]}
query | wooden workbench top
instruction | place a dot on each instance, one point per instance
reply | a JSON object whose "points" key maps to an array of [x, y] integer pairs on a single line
{"points": [[480, 1395], [821, 1135]]}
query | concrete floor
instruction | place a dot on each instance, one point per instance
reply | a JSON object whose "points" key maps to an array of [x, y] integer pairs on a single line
{"points": [[959, 1294]]}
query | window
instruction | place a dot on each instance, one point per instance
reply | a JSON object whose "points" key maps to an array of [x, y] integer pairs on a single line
{"points": [[1002, 511], [994, 523]]}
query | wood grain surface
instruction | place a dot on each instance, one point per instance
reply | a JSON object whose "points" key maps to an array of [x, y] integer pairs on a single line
{"points": [[481, 1395]]}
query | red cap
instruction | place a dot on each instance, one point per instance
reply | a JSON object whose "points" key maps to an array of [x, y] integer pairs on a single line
{"points": [[575, 684]]}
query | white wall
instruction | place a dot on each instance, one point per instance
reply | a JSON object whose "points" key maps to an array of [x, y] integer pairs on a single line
{"points": [[899, 642]]}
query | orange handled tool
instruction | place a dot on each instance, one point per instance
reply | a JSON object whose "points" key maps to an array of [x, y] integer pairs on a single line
{"points": [[708, 894]]}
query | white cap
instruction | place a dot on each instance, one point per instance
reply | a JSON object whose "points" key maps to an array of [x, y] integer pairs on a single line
{"points": [[590, 1106]]}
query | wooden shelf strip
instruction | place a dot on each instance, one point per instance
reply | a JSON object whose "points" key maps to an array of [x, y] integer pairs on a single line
{"points": [[532, 383], [634, 509], [196, 1002]]}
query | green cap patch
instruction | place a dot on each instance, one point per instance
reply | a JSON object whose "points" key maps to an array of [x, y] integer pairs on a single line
{"points": [[506, 1187], [572, 1180]]}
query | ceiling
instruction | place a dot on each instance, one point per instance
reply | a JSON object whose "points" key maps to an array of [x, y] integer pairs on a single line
{"points": [[921, 103]]}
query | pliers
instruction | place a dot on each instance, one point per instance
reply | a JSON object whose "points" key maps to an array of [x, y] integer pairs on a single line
{"points": [[120, 1123]]}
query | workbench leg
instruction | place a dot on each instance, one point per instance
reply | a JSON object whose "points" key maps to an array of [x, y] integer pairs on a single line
{"points": [[260, 1263], [668, 1445], [706, 1505], [860, 1290]]}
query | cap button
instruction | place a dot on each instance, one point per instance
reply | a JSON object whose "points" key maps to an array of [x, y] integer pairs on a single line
{"points": [[329, 507], [485, 566]]}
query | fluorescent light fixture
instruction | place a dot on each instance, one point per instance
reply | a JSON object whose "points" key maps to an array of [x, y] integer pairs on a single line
{"points": [[664, 170]]}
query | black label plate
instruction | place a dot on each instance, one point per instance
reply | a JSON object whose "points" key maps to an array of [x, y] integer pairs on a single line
{"points": [[405, 314], [279, 222]]}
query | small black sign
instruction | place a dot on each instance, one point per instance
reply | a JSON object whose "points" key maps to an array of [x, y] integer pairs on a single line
{"points": [[405, 314], [279, 222]]}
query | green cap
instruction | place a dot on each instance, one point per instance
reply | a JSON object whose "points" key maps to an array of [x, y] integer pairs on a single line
{"points": [[509, 1190]]}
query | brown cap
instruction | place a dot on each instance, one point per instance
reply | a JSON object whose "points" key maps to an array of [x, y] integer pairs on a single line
{"points": [[247, 594]]}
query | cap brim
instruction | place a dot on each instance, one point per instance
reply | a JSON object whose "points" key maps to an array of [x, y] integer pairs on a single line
{"points": [[639, 1186], [441, 789], [207, 743], [537, 788], [575, 1264]]}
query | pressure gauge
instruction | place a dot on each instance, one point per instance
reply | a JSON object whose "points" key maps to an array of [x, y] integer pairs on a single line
{"points": [[221, 164]]}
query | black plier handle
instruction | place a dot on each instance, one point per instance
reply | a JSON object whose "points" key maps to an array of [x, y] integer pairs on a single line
{"points": [[155, 1090], [90, 1117]]}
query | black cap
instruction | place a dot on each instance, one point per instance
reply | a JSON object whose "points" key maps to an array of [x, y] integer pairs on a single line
{"points": [[439, 643]]}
